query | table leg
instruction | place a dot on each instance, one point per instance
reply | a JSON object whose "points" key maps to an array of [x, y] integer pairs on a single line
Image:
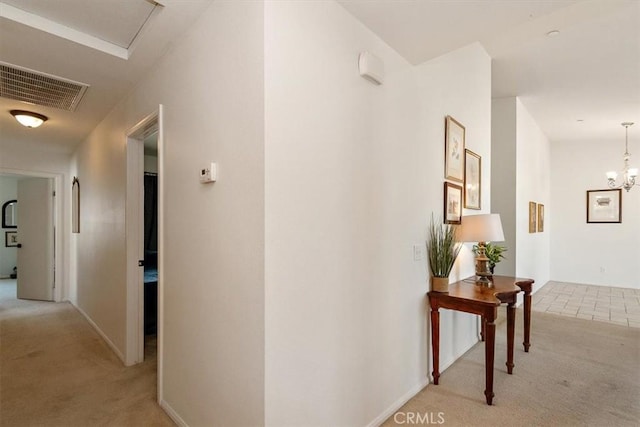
{"points": [[435, 343], [490, 336], [511, 320], [482, 328], [527, 319]]}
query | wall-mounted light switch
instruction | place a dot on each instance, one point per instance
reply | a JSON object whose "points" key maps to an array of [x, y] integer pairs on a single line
{"points": [[418, 252]]}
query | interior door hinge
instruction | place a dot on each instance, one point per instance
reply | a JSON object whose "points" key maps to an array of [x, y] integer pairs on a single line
{"points": [[54, 194]]}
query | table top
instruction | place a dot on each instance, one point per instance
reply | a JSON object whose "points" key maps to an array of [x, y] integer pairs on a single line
{"points": [[467, 290]]}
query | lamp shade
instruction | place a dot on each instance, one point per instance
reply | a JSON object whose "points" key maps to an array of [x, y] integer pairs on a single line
{"points": [[481, 228]]}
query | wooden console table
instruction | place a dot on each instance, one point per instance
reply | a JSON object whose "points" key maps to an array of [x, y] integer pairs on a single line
{"points": [[468, 297]]}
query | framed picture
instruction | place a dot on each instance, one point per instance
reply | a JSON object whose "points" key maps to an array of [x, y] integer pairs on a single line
{"points": [[532, 217], [472, 179], [453, 150], [452, 203], [11, 239], [75, 205], [604, 206], [540, 217]]}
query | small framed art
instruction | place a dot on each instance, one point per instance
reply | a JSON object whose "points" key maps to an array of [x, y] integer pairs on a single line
{"points": [[453, 150], [452, 203], [472, 180], [532, 217], [540, 217], [604, 206], [11, 239]]}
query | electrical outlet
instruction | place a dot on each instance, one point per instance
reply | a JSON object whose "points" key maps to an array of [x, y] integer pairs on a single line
{"points": [[418, 252]]}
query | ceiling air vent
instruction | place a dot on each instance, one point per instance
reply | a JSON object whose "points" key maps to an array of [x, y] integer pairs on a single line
{"points": [[38, 88]]}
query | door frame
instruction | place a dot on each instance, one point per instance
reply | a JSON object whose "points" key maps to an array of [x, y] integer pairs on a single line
{"points": [[134, 219], [58, 226]]}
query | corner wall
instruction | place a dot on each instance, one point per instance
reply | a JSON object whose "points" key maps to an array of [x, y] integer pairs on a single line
{"points": [[521, 156], [594, 254], [211, 85], [533, 184], [353, 172]]}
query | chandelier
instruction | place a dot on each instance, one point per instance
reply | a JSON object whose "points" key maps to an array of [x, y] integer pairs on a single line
{"points": [[628, 174]]}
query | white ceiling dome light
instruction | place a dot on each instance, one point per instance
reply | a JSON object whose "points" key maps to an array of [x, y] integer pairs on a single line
{"points": [[29, 119]]}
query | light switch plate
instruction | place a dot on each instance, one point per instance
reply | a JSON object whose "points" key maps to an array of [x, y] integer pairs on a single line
{"points": [[418, 252]]}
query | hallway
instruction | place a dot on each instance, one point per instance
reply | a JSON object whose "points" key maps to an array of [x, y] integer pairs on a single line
{"points": [[55, 370]]}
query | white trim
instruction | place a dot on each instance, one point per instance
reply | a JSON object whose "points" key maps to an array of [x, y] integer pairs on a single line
{"points": [[134, 220], [58, 224], [398, 404], [39, 23], [173, 414], [160, 333], [102, 334]]}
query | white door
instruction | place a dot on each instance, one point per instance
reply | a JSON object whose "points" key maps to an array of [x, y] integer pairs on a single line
{"points": [[35, 238]]}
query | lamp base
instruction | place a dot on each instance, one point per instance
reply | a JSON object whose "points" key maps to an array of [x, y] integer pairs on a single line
{"points": [[483, 274], [483, 280]]}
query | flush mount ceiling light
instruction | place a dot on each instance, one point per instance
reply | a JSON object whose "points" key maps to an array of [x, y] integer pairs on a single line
{"points": [[28, 119], [628, 174]]}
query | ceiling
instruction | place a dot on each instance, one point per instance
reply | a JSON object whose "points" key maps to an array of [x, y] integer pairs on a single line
{"points": [[108, 44], [590, 71]]}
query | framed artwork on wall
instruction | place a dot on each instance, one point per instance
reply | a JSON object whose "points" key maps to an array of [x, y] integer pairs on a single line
{"points": [[472, 180], [11, 239], [540, 217], [453, 150], [604, 206], [452, 203], [532, 217]]}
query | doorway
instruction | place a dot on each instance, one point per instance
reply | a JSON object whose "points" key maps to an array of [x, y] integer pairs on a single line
{"points": [[30, 240], [144, 240]]}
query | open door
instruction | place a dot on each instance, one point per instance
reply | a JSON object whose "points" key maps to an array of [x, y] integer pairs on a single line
{"points": [[36, 239]]}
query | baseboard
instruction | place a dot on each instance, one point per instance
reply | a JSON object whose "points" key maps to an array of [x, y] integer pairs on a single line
{"points": [[104, 336], [173, 414], [398, 404]]}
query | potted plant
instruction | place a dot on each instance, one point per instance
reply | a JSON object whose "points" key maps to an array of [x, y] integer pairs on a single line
{"points": [[493, 252], [442, 250]]}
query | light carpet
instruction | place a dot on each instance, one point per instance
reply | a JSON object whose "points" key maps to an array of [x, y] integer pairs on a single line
{"points": [[577, 373], [55, 370]]}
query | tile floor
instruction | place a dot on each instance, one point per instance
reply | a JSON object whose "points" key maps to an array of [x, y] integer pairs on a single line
{"points": [[605, 304]]}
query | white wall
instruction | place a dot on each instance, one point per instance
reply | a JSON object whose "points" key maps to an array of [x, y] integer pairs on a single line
{"points": [[521, 156], [38, 162], [211, 85], [8, 191], [353, 172], [595, 254], [532, 184]]}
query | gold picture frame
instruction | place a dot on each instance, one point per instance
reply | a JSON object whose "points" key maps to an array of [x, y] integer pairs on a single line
{"points": [[540, 218], [472, 180], [532, 217], [454, 145]]}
